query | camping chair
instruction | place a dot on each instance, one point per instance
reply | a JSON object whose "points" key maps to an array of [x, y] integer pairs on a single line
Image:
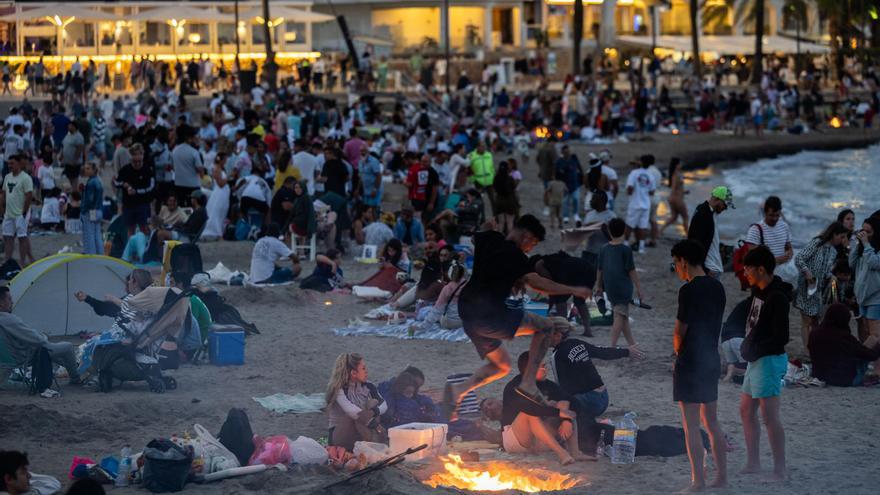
{"points": [[310, 249], [9, 367]]}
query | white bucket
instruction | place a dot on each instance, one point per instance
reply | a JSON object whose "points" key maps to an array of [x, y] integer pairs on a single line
{"points": [[412, 435]]}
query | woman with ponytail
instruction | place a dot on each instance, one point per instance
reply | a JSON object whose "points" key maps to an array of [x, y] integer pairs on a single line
{"points": [[353, 404]]}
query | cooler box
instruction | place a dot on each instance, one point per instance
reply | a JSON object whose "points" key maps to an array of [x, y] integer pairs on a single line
{"points": [[226, 348], [540, 309], [412, 435]]}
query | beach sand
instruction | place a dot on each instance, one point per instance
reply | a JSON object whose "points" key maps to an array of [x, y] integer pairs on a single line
{"points": [[828, 430]]}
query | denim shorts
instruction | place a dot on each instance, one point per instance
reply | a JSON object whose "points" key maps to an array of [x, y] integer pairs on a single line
{"points": [[763, 377], [591, 403], [871, 312]]}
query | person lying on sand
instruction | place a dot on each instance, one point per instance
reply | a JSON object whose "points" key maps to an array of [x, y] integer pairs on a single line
{"points": [[529, 428]]}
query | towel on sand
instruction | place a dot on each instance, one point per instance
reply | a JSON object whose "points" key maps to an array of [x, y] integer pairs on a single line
{"points": [[401, 331], [297, 404]]}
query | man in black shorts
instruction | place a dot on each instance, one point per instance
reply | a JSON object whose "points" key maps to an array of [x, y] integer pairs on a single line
{"points": [[701, 303], [565, 269], [500, 264]]}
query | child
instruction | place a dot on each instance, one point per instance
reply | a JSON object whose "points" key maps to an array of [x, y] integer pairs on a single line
{"points": [[327, 274], [354, 405], [72, 220], [616, 276], [50, 213], [553, 197]]}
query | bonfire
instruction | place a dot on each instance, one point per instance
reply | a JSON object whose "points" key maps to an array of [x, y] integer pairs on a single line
{"points": [[498, 476]]}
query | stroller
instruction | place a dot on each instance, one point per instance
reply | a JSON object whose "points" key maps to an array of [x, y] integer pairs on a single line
{"points": [[119, 362]]}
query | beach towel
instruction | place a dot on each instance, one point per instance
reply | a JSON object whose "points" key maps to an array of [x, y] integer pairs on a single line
{"points": [[297, 404], [419, 331], [385, 279]]}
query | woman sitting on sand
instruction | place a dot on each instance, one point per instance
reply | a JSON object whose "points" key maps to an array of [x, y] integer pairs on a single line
{"points": [[354, 405], [839, 359], [327, 274]]}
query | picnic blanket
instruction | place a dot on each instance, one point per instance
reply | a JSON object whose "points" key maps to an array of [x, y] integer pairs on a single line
{"points": [[419, 331], [297, 404]]}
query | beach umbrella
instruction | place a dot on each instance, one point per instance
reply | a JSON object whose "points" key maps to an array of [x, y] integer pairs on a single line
{"points": [[287, 14], [60, 11]]}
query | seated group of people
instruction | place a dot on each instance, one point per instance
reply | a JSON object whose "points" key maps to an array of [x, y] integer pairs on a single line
{"points": [[360, 411], [172, 223]]}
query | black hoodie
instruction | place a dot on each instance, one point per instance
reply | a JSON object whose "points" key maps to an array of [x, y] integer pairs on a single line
{"points": [[767, 323]]}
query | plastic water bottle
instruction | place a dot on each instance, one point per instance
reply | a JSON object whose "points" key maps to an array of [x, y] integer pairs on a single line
{"points": [[600, 445], [624, 449], [124, 467]]}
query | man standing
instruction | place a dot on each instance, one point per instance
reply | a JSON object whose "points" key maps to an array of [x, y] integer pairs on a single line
{"points": [[483, 169], [701, 303], [187, 163], [703, 227], [137, 184], [73, 154], [306, 162], [500, 264], [640, 186], [772, 232], [423, 183], [371, 178], [546, 159], [568, 169], [764, 349], [352, 148], [18, 193]]}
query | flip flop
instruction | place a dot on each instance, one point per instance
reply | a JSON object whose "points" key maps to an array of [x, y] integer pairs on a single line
{"points": [[449, 406], [535, 398]]}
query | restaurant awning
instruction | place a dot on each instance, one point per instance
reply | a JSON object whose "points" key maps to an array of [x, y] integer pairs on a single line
{"points": [[63, 11], [289, 14], [724, 45], [180, 12]]}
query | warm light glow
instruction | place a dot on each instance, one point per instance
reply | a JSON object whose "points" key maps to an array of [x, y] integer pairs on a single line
{"points": [[328, 303], [20, 83], [542, 132], [118, 66], [675, 131], [194, 38], [242, 30], [836, 123], [589, 2], [498, 476]]}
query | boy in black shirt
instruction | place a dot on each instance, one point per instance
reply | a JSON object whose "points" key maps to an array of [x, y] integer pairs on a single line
{"points": [[136, 181], [697, 364], [577, 375], [500, 264], [527, 427], [566, 269], [764, 349]]}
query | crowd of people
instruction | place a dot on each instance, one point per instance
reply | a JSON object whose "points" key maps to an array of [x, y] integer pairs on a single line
{"points": [[287, 169]]}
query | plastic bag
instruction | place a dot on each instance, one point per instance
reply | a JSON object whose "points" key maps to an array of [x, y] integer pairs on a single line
{"points": [[77, 460], [372, 452], [271, 450], [307, 451], [217, 457], [788, 272]]}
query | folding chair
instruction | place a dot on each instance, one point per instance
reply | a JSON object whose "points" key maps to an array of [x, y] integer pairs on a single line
{"points": [[311, 250], [10, 367]]}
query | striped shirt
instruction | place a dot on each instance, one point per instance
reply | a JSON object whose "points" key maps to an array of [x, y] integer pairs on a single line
{"points": [[775, 237]]}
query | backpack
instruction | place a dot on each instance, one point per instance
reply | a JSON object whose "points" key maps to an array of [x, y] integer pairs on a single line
{"points": [[739, 256], [424, 121], [41, 371], [186, 258], [237, 436], [9, 269]]}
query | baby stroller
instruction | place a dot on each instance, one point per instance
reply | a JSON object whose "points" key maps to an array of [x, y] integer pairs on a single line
{"points": [[119, 361]]}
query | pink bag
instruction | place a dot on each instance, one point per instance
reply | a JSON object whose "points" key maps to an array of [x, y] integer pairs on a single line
{"points": [[271, 451], [76, 462]]}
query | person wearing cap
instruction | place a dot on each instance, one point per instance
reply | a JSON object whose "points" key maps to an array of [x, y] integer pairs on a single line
{"points": [[703, 227]]}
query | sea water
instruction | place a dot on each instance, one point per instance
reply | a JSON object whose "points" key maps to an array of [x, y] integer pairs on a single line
{"points": [[813, 185]]}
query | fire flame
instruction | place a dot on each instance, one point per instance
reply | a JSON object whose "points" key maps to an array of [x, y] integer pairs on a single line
{"points": [[836, 123], [499, 476], [542, 132]]}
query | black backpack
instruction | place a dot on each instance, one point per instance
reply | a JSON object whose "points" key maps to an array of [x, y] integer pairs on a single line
{"points": [[237, 436], [41, 371], [9, 269], [424, 121], [186, 258]]}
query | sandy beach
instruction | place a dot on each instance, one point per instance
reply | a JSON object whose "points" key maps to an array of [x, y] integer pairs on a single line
{"points": [[832, 439]]}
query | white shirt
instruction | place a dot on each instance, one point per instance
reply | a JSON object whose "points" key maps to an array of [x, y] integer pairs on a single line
{"points": [[257, 94], [643, 185], [657, 175], [266, 251], [255, 187], [775, 237], [713, 257], [306, 163], [47, 178], [756, 107], [51, 211]]}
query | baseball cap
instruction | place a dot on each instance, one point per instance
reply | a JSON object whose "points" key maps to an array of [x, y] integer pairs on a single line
{"points": [[723, 193]]}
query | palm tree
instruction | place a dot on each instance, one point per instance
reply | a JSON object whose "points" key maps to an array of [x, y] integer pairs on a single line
{"points": [[837, 13], [758, 62], [270, 70], [576, 66], [744, 11], [695, 38]]}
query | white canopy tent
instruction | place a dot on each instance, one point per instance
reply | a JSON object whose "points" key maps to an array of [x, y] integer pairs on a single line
{"points": [[60, 11], [180, 12], [725, 45], [289, 14]]}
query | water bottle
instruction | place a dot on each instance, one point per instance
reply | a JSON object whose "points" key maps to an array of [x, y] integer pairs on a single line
{"points": [[600, 446], [124, 467], [624, 449]]}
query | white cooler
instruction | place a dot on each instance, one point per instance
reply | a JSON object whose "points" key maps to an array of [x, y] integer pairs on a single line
{"points": [[412, 435]]}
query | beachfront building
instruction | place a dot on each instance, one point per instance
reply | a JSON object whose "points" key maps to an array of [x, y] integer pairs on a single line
{"points": [[108, 30]]}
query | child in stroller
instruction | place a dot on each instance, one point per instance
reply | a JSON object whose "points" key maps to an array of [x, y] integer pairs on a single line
{"points": [[143, 319]]}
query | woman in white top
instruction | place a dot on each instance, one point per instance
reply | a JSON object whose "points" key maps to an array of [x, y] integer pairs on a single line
{"points": [[218, 201], [353, 404]]}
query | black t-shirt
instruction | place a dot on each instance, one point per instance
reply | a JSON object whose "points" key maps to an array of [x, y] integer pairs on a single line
{"points": [[512, 403], [498, 265], [141, 180], [701, 306], [573, 363], [735, 324], [336, 173], [566, 269], [278, 213]]}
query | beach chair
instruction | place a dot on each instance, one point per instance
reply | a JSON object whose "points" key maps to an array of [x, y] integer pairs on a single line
{"points": [[310, 249], [10, 367]]}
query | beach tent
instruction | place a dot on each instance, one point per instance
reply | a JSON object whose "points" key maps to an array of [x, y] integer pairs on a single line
{"points": [[42, 294]]}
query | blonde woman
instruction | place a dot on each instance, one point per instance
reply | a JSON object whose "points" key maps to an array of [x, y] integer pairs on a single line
{"points": [[353, 404]]}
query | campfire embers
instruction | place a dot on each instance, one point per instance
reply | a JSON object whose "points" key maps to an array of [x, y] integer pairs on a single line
{"points": [[497, 476]]}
